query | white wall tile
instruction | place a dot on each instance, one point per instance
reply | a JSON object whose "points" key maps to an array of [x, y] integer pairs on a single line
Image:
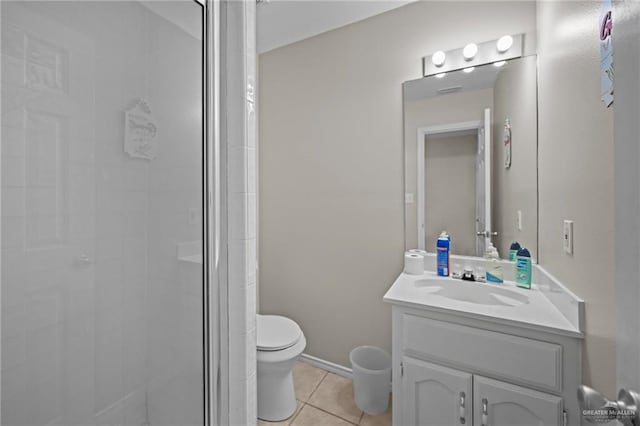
{"points": [[106, 326], [242, 360], [239, 64], [109, 368], [238, 220], [243, 401], [242, 262], [13, 202], [135, 409], [12, 172], [112, 416], [251, 168], [12, 138], [252, 397], [242, 312], [13, 232], [252, 216], [238, 169]]}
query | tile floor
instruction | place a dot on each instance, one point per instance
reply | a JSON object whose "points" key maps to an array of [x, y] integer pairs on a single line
{"points": [[326, 399]]}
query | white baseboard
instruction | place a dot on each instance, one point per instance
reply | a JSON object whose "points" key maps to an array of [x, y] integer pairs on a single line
{"points": [[340, 370]]}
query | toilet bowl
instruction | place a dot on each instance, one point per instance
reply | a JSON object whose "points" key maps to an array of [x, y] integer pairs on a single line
{"points": [[280, 342]]}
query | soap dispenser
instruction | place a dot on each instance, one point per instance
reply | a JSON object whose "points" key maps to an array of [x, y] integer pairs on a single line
{"points": [[494, 273], [523, 268]]}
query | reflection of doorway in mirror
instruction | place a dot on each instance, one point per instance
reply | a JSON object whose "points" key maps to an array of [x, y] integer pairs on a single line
{"points": [[450, 190], [454, 185]]}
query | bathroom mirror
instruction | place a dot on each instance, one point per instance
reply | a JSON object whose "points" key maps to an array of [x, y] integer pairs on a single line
{"points": [[460, 175]]}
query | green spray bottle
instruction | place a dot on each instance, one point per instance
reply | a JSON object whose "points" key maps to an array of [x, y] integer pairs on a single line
{"points": [[523, 268]]}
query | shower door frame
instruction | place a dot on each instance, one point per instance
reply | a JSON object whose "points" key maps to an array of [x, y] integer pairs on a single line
{"points": [[215, 306], [214, 213]]}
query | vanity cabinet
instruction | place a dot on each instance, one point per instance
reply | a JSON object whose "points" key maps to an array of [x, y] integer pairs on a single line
{"points": [[437, 395], [449, 369]]}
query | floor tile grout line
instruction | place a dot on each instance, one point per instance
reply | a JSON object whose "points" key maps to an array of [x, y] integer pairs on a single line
{"points": [[308, 402], [361, 417], [336, 415], [326, 373], [297, 413], [332, 415]]}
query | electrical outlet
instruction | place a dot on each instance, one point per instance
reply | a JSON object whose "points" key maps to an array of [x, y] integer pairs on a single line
{"points": [[408, 198], [567, 236]]}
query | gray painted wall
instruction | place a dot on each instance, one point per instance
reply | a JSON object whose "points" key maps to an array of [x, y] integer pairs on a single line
{"points": [[626, 44], [331, 208], [576, 178], [516, 188]]}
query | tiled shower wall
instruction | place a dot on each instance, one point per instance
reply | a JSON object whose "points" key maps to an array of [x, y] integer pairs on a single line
{"points": [[175, 309], [116, 339], [99, 346], [238, 59]]}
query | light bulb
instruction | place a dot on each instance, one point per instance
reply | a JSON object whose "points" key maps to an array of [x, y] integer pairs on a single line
{"points": [[504, 43], [470, 51], [468, 69], [438, 58], [440, 75], [499, 63]]}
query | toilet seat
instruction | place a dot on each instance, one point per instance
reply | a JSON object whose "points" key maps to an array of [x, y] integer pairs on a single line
{"points": [[276, 333]]}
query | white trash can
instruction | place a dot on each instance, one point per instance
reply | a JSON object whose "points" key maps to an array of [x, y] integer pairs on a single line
{"points": [[371, 378]]}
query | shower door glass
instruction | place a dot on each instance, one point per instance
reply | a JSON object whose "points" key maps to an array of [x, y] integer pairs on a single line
{"points": [[102, 213]]}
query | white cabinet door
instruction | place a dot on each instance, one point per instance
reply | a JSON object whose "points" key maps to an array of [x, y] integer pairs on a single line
{"points": [[501, 404], [435, 395]]}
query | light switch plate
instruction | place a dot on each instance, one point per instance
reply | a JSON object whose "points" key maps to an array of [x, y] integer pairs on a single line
{"points": [[567, 236], [519, 220], [408, 198]]}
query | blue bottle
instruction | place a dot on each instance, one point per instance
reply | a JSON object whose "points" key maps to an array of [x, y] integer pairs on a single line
{"points": [[523, 268], [443, 248]]}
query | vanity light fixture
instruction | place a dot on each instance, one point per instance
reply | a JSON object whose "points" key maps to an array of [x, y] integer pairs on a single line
{"points": [[440, 75], [438, 58], [468, 69], [504, 43], [473, 55], [499, 63], [470, 51]]}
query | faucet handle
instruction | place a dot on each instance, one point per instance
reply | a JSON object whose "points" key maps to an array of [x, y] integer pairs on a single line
{"points": [[456, 271]]}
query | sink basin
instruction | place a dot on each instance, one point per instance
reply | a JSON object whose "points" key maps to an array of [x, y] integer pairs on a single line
{"points": [[472, 292]]}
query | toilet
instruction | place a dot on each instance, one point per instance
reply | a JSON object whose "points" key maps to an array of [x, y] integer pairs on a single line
{"points": [[279, 343]]}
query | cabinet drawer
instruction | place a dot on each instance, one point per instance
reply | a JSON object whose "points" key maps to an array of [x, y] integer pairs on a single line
{"points": [[500, 355]]}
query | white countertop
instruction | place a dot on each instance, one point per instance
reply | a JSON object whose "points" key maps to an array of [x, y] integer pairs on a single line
{"points": [[539, 313]]}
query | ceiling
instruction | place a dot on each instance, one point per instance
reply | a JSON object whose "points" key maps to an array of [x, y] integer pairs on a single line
{"points": [[282, 22]]}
